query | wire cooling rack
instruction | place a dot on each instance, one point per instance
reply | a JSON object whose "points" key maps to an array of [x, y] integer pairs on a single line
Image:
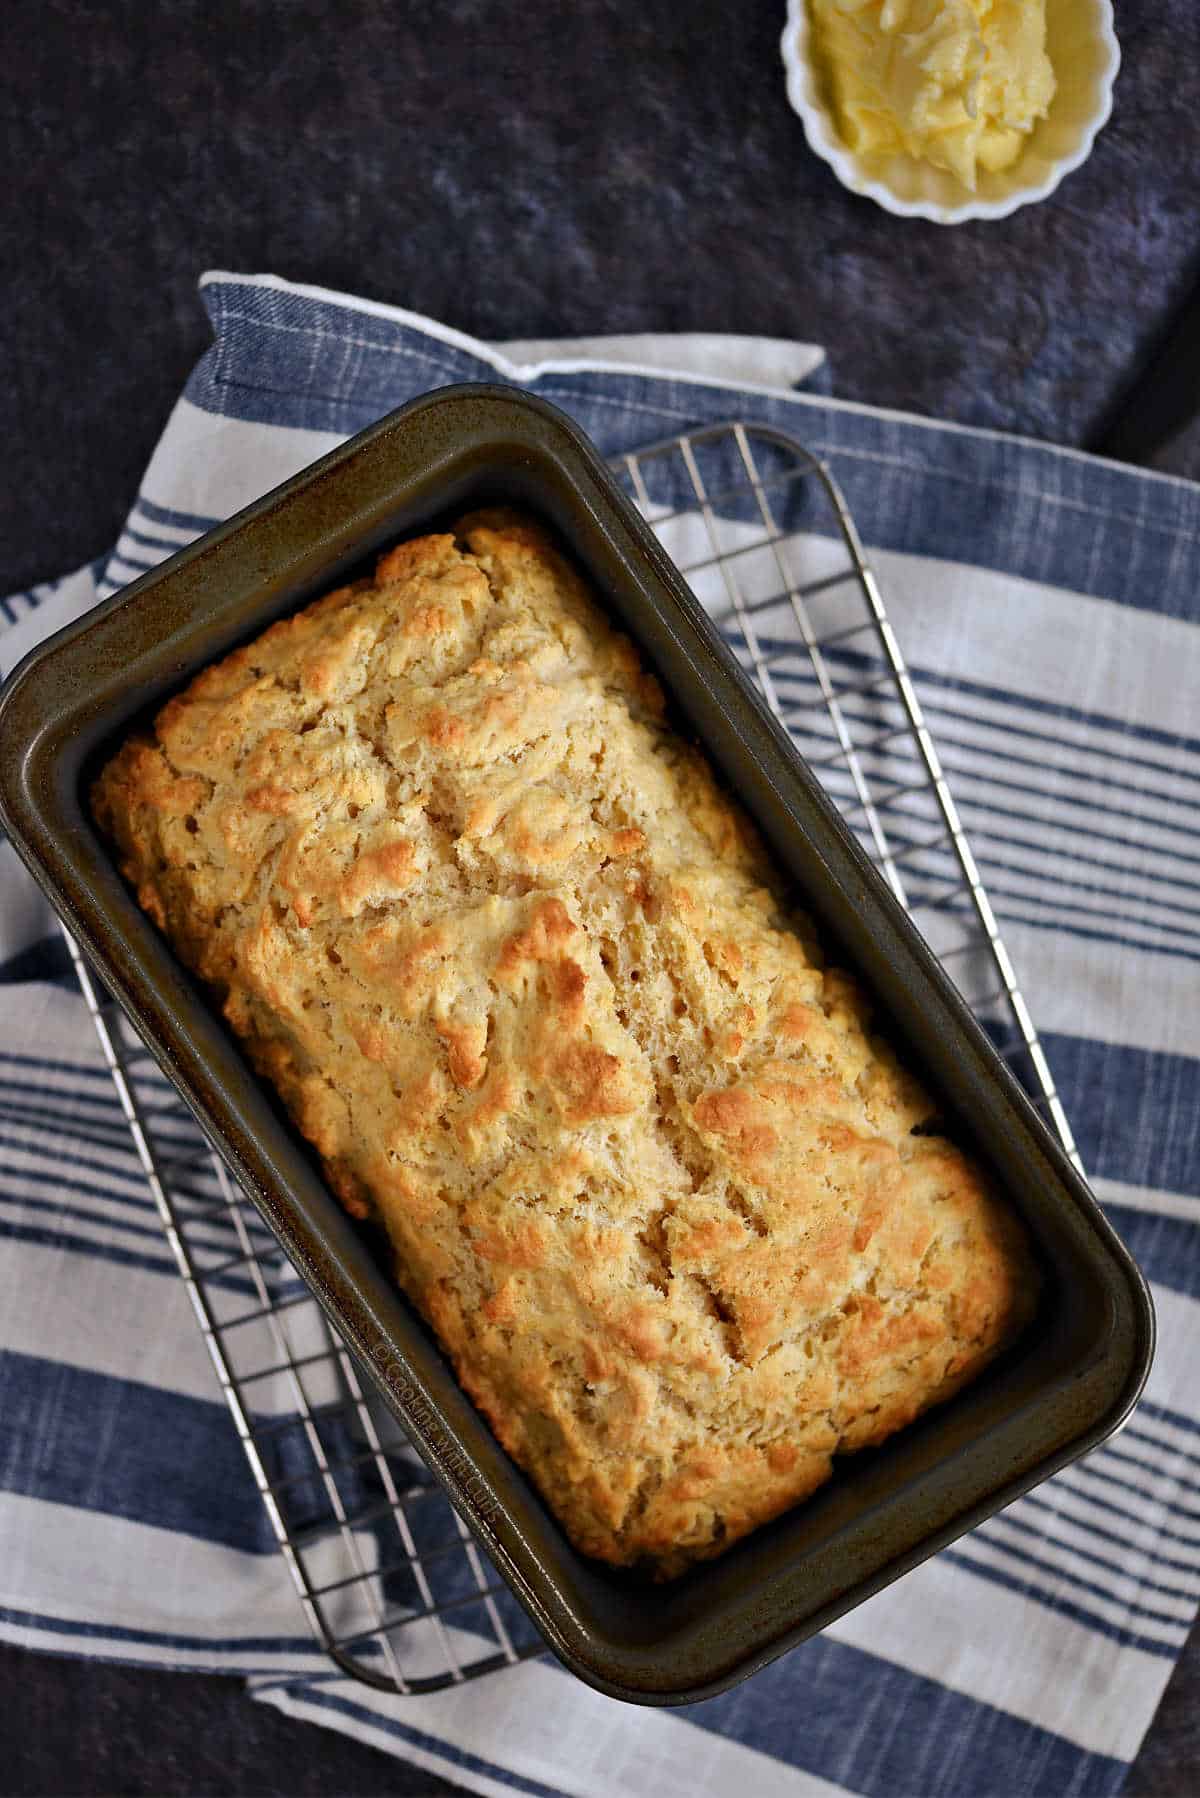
{"points": [[394, 1588]]}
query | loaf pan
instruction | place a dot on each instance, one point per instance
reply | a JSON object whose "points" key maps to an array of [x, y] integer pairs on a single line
{"points": [[1070, 1380]]}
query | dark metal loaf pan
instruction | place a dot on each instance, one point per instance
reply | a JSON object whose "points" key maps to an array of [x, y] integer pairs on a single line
{"points": [[1068, 1383]]}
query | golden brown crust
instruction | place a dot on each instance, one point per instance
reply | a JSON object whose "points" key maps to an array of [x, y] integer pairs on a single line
{"points": [[519, 972]]}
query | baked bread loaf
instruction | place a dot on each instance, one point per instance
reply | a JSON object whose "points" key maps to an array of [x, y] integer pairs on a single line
{"points": [[525, 980]]}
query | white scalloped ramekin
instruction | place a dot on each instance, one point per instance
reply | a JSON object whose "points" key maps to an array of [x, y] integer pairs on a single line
{"points": [[1082, 44]]}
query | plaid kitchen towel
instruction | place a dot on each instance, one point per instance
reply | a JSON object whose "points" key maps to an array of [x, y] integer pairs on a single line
{"points": [[1048, 604]]}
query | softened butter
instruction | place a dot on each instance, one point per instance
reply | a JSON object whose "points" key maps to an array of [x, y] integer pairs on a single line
{"points": [[958, 83]]}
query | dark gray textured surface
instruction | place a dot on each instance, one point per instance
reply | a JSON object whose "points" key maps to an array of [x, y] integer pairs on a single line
{"points": [[514, 170], [73, 1729], [519, 171]]}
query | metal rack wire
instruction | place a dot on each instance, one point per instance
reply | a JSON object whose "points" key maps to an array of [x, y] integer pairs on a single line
{"points": [[393, 1586]]}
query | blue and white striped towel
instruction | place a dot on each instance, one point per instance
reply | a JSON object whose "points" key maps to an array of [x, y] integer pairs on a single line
{"points": [[1049, 607]]}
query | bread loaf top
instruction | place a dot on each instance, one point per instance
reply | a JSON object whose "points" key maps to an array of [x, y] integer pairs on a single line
{"points": [[524, 978]]}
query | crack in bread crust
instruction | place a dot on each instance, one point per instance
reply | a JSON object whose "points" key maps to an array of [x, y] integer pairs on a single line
{"points": [[527, 982]]}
